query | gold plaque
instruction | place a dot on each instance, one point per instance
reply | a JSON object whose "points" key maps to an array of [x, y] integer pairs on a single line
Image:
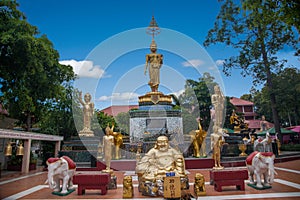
{"points": [[155, 98], [172, 187]]}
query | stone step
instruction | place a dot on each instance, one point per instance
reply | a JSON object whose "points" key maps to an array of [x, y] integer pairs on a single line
{"points": [[83, 164]]}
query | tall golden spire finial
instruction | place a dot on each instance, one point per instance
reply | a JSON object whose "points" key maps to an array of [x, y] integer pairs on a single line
{"points": [[153, 28]]}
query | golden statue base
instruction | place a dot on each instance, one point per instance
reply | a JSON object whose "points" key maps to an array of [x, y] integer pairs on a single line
{"points": [[86, 133], [155, 98], [200, 194], [109, 171], [113, 179], [218, 168]]}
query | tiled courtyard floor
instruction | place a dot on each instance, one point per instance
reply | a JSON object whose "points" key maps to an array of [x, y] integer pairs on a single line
{"points": [[32, 186]]}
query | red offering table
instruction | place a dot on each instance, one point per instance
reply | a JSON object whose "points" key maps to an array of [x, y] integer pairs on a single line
{"points": [[228, 177], [91, 180]]}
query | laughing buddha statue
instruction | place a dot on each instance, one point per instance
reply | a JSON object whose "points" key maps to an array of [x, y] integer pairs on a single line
{"points": [[157, 163]]}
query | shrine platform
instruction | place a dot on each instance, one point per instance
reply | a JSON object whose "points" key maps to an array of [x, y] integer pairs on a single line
{"points": [[32, 186], [15, 185], [190, 163]]}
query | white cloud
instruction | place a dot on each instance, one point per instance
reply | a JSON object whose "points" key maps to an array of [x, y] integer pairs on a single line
{"points": [[193, 63], [220, 63], [126, 96], [84, 68], [178, 93]]}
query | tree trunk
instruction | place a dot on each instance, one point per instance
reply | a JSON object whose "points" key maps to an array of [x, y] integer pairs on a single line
{"points": [[275, 114], [28, 121], [290, 120], [271, 93]]}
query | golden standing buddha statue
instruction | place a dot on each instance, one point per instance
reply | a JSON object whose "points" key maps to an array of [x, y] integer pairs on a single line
{"points": [[88, 112], [108, 142], [153, 62], [217, 141]]}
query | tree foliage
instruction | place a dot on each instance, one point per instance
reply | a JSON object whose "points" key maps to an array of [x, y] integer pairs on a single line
{"points": [[257, 30], [196, 99], [196, 102], [287, 87], [31, 76], [104, 119], [58, 117], [123, 121]]}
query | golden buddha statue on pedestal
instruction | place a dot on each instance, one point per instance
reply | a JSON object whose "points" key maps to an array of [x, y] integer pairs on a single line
{"points": [[217, 141], [160, 161]]}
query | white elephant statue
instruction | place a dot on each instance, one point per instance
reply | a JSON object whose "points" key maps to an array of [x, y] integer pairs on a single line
{"points": [[261, 164], [62, 168], [263, 144]]}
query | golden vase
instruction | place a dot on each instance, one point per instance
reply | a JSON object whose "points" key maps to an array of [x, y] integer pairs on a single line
{"points": [[242, 148]]}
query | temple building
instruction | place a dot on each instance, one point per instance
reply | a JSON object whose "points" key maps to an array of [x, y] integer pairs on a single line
{"points": [[247, 109], [116, 109]]}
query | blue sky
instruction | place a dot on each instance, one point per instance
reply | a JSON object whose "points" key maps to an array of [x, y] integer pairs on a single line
{"points": [[106, 43]]}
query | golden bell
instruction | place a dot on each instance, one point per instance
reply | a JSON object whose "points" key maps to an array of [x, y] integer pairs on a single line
{"points": [[20, 150], [8, 149]]}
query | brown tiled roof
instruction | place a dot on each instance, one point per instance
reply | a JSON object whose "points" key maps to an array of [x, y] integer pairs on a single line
{"points": [[255, 124], [115, 110], [240, 102], [250, 114]]}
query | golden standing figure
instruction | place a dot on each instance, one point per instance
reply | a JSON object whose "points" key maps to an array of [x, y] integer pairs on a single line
{"points": [[127, 187], [218, 101], [234, 119], [154, 62], [263, 124], [198, 140], [108, 142], [88, 112], [199, 185], [216, 144], [118, 141]]}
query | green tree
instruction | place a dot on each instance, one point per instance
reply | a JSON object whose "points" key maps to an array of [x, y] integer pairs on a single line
{"points": [[104, 120], [189, 121], [290, 12], [261, 101], [196, 98], [123, 122], [287, 86], [58, 117], [31, 76], [247, 97], [257, 31]]}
